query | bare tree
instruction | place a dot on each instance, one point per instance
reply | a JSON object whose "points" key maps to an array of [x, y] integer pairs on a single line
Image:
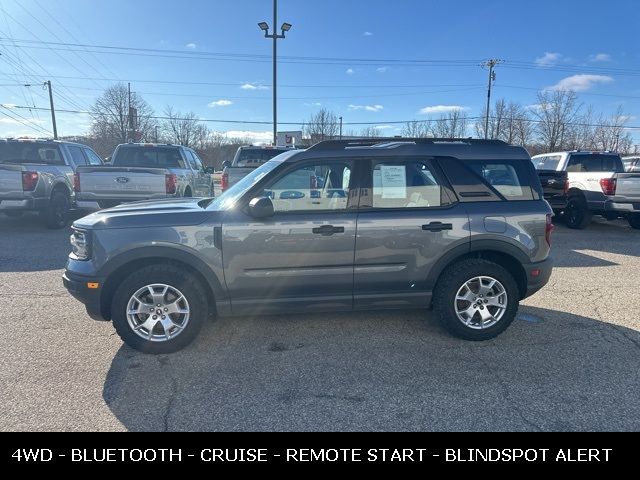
{"points": [[370, 132], [322, 125], [181, 129], [110, 115], [416, 129], [451, 125], [555, 112]]}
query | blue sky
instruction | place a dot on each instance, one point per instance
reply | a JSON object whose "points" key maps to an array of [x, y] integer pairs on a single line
{"points": [[588, 45]]}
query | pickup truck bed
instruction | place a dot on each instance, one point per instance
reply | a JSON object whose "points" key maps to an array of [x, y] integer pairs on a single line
{"points": [[554, 187]]}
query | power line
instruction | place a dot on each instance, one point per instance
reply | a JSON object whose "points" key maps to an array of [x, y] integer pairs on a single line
{"points": [[251, 122]]}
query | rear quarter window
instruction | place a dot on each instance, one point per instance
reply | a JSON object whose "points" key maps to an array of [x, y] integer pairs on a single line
{"points": [[513, 179]]}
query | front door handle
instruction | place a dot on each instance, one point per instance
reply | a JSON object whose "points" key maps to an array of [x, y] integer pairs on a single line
{"points": [[326, 230], [437, 227]]}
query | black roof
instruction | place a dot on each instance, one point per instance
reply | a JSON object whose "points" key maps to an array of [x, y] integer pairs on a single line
{"points": [[463, 148]]}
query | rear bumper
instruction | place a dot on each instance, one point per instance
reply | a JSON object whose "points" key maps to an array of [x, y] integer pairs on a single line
{"points": [[538, 275], [22, 204], [622, 207], [77, 286]]}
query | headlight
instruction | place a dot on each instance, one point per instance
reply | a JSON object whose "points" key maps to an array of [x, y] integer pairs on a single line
{"points": [[81, 244]]}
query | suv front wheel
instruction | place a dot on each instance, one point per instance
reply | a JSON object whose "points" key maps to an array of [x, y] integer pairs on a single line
{"points": [[159, 309], [476, 299]]}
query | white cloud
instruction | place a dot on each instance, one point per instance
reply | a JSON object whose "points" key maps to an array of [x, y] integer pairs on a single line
{"points": [[350, 71], [191, 45], [580, 82], [251, 135], [600, 57], [220, 103], [367, 34], [441, 109], [548, 59], [251, 86], [313, 104], [368, 108], [382, 69], [9, 121]]}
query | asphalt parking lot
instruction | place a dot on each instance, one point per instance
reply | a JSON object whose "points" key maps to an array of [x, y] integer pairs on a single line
{"points": [[569, 362]]}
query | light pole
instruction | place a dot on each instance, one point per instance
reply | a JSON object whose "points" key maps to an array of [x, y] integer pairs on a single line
{"points": [[490, 64], [264, 26]]}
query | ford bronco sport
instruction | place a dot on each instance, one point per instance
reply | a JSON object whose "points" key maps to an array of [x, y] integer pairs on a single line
{"points": [[457, 224]]}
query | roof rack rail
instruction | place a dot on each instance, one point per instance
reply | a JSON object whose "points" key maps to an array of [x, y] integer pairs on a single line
{"points": [[370, 142]]}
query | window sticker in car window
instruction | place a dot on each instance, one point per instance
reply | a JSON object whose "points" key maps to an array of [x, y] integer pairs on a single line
{"points": [[394, 181]]}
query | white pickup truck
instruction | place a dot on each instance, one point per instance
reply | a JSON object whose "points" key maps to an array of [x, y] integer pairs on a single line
{"points": [[142, 172], [598, 185], [246, 160]]}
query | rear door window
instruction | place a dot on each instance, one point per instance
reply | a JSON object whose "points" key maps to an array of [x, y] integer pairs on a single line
{"points": [[594, 162], [76, 155], [409, 184]]}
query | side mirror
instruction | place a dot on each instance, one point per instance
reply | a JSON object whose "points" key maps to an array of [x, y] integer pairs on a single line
{"points": [[226, 164], [261, 207], [107, 160], [209, 170]]}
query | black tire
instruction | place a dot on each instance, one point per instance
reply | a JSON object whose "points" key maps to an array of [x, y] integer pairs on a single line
{"points": [[175, 277], [577, 215], [634, 221], [13, 213], [56, 214], [452, 280]]}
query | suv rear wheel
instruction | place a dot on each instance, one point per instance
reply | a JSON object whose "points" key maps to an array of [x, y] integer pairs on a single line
{"points": [[577, 214], [159, 309], [476, 299]]}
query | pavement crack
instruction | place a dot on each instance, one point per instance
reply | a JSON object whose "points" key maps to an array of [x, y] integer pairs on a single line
{"points": [[172, 396], [507, 396]]}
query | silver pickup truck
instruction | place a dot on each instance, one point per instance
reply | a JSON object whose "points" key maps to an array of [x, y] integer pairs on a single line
{"points": [[143, 172], [38, 175], [246, 160]]}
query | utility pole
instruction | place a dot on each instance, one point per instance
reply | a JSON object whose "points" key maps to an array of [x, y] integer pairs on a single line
{"points": [[129, 119], [340, 128], [53, 112], [490, 64], [264, 26]]}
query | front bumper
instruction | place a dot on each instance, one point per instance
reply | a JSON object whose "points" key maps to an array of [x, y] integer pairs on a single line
{"points": [[22, 204], [538, 275], [77, 286]]}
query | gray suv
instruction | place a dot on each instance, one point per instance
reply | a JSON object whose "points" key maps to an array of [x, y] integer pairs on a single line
{"points": [[457, 225]]}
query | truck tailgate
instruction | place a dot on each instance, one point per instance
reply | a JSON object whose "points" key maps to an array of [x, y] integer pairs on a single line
{"points": [[124, 184], [628, 187], [11, 181], [553, 187]]}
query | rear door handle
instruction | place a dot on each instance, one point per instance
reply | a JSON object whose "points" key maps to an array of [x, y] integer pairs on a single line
{"points": [[327, 230], [437, 227]]}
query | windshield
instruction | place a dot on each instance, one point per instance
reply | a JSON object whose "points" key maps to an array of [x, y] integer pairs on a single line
{"points": [[26, 152], [256, 156], [149, 157], [229, 198]]}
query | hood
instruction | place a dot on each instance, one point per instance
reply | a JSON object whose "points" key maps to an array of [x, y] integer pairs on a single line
{"points": [[149, 213]]}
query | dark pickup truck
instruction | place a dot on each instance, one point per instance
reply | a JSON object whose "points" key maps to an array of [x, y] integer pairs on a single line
{"points": [[555, 186]]}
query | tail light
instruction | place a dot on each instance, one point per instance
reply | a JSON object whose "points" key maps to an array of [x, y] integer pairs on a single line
{"points": [[224, 182], [548, 229], [171, 183], [29, 181], [566, 187], [76, 182], [608, 186]]}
